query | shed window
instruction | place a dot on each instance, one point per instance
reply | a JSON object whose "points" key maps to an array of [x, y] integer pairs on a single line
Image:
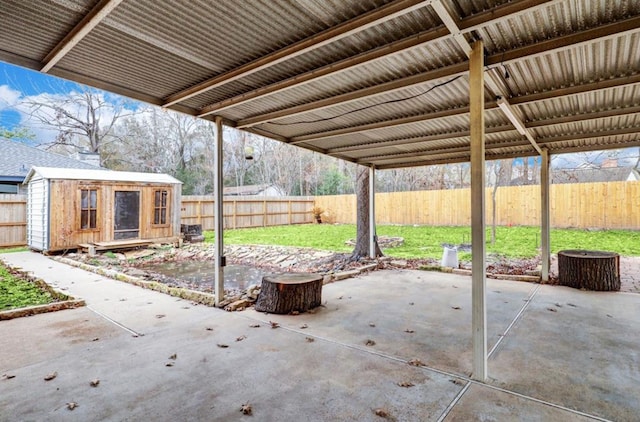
{"points": [[88, 208], [160, 207]]}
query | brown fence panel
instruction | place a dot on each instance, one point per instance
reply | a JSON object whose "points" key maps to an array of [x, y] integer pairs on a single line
{"points": [[612, 205], [13, 220], [247, 211]]}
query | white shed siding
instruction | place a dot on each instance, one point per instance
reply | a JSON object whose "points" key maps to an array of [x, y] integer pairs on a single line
{"points": [[38, 214]]}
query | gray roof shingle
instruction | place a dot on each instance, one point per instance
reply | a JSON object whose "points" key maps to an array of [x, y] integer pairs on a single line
{"points": [[16, 159]]}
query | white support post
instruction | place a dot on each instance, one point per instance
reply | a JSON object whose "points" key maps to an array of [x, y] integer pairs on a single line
{"points": [[478, 263], [218, 215], [372, 212], [545, 211]]}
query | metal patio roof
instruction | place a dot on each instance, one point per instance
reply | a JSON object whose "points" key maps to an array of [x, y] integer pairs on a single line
{"points": [[377, 82]]}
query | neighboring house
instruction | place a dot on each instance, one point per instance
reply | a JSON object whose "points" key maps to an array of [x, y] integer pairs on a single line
{"points": [[16, 159], [594, 175], [253, 190]]}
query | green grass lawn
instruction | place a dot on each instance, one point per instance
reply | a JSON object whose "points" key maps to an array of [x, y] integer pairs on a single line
{"points": [[426, 241], [18, 293]]}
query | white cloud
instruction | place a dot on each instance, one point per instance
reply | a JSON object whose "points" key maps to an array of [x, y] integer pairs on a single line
{"points": [[8, 97]]}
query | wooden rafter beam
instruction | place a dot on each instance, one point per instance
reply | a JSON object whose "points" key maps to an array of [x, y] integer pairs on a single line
{"points": [[469, 23], [343, 30], [81, 30], [328, 70], [522, 99], [379, 160], [530, 51]]}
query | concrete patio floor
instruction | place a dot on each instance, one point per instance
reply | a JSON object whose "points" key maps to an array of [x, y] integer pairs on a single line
{"points": [[558, 354]]}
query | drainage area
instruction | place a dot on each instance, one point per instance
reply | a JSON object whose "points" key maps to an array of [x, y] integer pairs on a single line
{"points": [[201, 273]]}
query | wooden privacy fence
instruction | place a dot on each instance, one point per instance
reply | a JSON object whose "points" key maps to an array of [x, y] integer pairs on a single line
{"points": [[13, 220], [613, 205], [247, 211]]}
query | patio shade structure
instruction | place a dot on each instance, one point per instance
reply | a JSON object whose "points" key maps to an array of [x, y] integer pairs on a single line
{"points": [[381, 83]]}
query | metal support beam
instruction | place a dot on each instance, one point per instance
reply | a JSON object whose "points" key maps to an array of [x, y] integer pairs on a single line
{"points": [[478, 253], [358, 24], [218, 215], [372, 212], [545, 215], [90, 21]]}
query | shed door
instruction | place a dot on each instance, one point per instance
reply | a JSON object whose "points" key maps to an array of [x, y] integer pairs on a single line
{"points": [[127, 215]]}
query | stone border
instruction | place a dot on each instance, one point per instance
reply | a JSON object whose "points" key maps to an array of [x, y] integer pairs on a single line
{"points": [[193, 295], [496, 276], [65, 301]]}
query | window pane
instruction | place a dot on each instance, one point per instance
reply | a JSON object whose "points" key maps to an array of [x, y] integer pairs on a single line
{"points": [[163, 216], [84, 220], [94, 199], [92, 222], [156, 216], [164, 198], [157, 198], [84, 201]]}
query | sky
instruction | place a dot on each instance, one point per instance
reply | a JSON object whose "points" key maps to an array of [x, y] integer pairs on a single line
{"points": [[18, 84]]}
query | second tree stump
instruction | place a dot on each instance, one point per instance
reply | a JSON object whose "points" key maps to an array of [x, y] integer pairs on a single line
{"points": [[590, 270], [289, 292]]}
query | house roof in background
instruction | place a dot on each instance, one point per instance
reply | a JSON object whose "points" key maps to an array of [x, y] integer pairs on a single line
{"points": [[246, 190], [376, 82], [16, 159], [592, 175], [100, 175]]}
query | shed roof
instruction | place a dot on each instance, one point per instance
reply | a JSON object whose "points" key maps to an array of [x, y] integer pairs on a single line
{"points": [[100, 175], [376, 82], [17, 158]]}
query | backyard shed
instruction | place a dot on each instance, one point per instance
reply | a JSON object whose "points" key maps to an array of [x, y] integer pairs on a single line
{"points": [[70, 207]]}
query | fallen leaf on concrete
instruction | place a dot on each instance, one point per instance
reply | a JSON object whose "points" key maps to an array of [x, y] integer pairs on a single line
{"points": [[415, 362], [409, 330], [8, 376], [454, 286], [572, 305], [552, 310], [223, 346], [558, 305], [371, 324], [369, 343], [383, 413], [339, 297], [406, 384], [124, 299], [209, 329], [169, 364], [256, 325], [94, 383], [456, 307], [96, 339], [303, 326], [411, 303], [610, 316], [242, 337], [274, 324], [160, 316], [186, 307], [50, 376], [295, 313], [457, 381], [312, 311], [246, 409], [135, 335], [174, 356], [72, 405], [309, 339]]}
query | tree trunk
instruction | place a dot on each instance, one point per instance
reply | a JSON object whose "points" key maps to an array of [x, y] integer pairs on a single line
{"points": [[362, 222], [289, 292], [590, 270]]}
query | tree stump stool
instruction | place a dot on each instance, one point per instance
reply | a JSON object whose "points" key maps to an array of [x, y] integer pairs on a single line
{"points": [[289, 292], [590, 270]]}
